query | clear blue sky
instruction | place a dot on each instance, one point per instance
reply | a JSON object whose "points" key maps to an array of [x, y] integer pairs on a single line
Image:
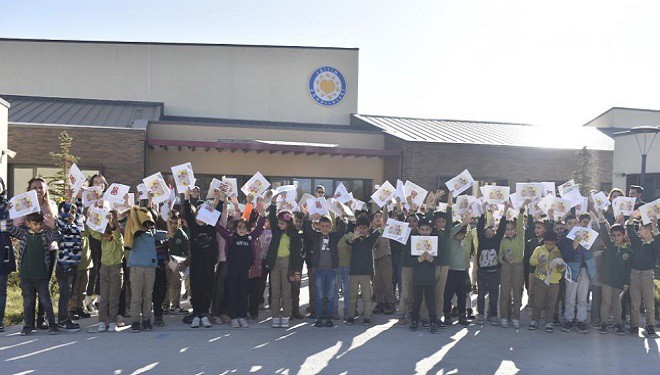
{"points": [[557, 63]]}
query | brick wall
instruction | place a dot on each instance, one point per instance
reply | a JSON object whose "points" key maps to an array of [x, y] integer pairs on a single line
{"points": [[423, 162], [119, 153]]}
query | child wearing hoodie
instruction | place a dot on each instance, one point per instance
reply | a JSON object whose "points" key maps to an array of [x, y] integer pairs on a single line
{"points": [[140, 239], [240, 256]]}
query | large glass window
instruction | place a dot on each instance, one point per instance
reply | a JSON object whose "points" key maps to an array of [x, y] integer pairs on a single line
{"points": [[19, 176]]}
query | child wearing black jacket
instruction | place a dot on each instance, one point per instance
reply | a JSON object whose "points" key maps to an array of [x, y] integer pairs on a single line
{"points": [[239, 259]]}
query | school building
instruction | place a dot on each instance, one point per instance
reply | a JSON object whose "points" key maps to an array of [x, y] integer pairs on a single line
{"points": [[292, 113]]}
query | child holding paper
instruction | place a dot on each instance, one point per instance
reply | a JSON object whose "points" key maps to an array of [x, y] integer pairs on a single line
{"points": [[458, 249], [240, 257], [488, 265], [110, 274], [284, 262], [362, 267], [69, 256], [548, 268], [645, 250], [423, 280], [512, 250], [615, 274], [382, 280], [140, 237], [33, 260], [203, 257], [535, 231], [178, 245]]}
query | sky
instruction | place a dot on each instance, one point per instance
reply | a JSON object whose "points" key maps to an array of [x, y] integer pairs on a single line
{"points": [[559, 63]]}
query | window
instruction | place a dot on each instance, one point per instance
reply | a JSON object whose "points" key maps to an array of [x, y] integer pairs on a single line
{"points": [[19, 175]]}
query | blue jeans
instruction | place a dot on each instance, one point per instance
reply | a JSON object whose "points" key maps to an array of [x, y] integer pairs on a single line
{"points": [[30, 288], [343, 279], [3, 296], [325, 288]]}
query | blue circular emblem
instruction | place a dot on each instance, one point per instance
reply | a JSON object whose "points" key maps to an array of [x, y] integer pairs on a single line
{"points": [[327, 86]]}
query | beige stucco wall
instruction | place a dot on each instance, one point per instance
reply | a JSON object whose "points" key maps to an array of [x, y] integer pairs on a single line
{"points": [[239, 82], [220, 163], [210, 133], [628, 158], [4, 111]]}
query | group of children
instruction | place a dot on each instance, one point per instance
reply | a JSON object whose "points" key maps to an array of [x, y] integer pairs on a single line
{"points": [[136, 265]]}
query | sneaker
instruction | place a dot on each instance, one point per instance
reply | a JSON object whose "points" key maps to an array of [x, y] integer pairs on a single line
{"points": [[424, 323], [434, 328], [195, 322], [102, 327], [276, 322], [319, 323], [650, 331], [26, 331], [533, 325], [2, 328], [448, 321], [603, 329], [464, 322], [243, 323], [73, 315], [549, 327], [480, 320], [515, 323], [494, 321], [225, 318], [136, 327], [146, 325], [596, 324], [470, 314], [568, 326], [284, 322], [158, 322], [329, 323], [618, 329], [235, 323], [53, 329], [349, 320], [582, 328], [413, 326], [634, 331], [181, 310], [82, 314], [504, 323], [88, 303], [556, 322], [440, 324], [42, 325], [120, 321], [366, 321], [112, 327], [206, 322], [188, 319], [70, 326]]}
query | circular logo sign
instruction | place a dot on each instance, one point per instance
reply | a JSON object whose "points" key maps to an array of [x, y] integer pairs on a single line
{"points": [[327, 86]]}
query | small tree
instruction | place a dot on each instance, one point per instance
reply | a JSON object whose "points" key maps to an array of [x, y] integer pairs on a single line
{"points": [[587, 173], [58, 185]]}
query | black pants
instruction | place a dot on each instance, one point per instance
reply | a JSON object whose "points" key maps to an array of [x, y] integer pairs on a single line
{"points": [[40, 308], [124, 288], [237, 288], [455, 285], [202, 264], [29, 289], [426, 292], [94, 283], [160, 291], [66, 278], [488, 282], [219, 305], [262, 282], [254, 296]]}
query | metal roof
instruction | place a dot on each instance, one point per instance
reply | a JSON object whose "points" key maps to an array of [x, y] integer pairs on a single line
{"points": [[88, 112], [488, 133]]}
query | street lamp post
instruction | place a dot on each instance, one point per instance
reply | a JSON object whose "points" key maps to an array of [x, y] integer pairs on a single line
{"points": [[643, 133]]}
